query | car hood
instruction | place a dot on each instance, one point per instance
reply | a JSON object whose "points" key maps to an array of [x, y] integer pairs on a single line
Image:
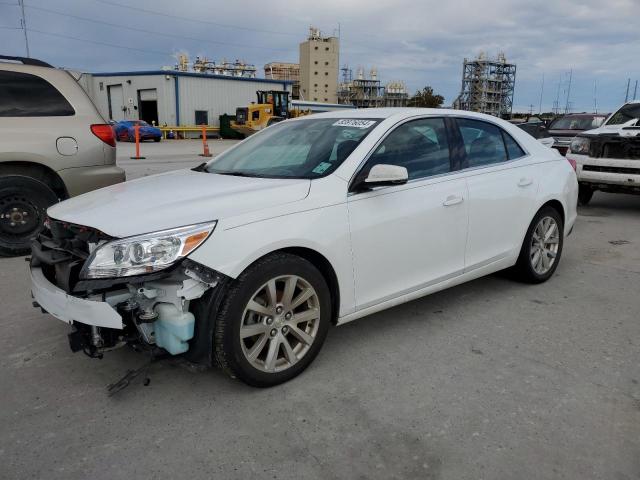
{"points": [[174, 199], [624, 130]]}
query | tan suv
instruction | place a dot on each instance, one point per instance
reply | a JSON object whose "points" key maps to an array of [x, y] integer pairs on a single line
{"points": [[53, 145]]}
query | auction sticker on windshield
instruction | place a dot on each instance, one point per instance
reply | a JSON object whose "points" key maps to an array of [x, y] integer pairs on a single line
{"points": [[351, 122]]}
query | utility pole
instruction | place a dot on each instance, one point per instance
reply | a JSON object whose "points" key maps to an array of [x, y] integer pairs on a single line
{"points": [[566, 107], [541, 92], [23, 21], [595, 96], [626, 96], [556, 104]]}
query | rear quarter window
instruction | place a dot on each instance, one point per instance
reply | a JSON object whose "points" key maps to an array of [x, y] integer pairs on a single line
{"points": [[26, 95]]}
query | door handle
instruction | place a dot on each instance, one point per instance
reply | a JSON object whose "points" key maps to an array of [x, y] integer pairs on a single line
{"points": [[525, 182], [452, 200]]}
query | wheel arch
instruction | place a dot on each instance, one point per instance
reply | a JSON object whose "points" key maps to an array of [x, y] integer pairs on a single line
{"points": [[37, 171], [549, 202], [326, 269], [318, 260], [556, 205]]}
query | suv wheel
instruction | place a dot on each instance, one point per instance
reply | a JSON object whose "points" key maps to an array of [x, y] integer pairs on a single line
{"points": [[542, 247], [272, 321], [23, 205], [585, 193]]}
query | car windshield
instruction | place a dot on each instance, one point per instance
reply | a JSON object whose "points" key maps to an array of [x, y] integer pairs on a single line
{"points": [[626, 113], [306, 148], [583, 122]]}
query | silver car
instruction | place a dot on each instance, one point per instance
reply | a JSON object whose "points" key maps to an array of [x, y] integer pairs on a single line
{"points": [[53, 145]]}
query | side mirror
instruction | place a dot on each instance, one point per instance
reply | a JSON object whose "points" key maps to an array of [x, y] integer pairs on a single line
{"points": [[384, 175], [547, 142]]}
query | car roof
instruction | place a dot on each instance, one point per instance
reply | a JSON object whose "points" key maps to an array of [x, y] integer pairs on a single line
{"points": [[398, 113], [583, 114]]}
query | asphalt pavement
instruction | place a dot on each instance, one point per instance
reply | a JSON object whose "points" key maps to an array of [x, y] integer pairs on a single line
{"points": [[489, 380]]}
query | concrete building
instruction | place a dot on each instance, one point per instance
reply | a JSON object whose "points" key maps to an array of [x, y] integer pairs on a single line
{"points": [[319, 62], [173, 97]]}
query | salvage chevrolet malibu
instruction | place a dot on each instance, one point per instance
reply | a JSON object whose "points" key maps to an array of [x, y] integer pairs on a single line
{"points": [[246, 261]]}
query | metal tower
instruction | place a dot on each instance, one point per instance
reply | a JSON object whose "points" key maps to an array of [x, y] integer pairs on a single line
{"points": [[487, 86]]}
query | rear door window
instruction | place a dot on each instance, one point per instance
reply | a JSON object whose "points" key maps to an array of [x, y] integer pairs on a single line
{"points": [[513, 149], [26, 95], [483, 143]]}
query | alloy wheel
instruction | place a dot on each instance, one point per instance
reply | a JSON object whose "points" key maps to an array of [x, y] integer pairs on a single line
{"points": [[280, 323], [544, 245]]}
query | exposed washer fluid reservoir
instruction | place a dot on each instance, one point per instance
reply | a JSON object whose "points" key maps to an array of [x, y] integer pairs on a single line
{"points": [[173, 328]]}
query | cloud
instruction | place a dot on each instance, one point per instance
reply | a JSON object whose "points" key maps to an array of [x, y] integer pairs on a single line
{"points": [[420, 42]]}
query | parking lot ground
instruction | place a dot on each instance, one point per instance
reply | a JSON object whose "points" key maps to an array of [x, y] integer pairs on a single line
{"points": [[166, 155], [489, 380]]}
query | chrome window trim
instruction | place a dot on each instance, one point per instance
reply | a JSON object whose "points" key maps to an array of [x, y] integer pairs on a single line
{"points": [[392, 128], [462, 170]]}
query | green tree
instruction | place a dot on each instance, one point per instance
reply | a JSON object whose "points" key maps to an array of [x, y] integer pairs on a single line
{"points": [[425, 98]]}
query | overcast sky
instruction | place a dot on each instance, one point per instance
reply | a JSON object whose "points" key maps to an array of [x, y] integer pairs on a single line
{"points": [[420, 42]]}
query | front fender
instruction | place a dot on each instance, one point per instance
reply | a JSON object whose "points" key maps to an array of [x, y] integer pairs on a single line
{"points": [[324, 230]]}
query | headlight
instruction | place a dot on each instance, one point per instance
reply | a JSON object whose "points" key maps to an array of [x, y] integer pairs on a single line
{"points": [[580, 145], [145, 253]]}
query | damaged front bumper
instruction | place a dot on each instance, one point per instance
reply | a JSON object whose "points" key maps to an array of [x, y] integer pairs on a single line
{"points": [[150, 312], [93, 310]]}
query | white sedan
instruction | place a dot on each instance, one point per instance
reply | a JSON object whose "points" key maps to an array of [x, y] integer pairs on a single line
{"points": [[247, 260]]}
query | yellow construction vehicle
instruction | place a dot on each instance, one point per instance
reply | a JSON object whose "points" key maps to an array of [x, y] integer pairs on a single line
{"points": [[272, 107]]}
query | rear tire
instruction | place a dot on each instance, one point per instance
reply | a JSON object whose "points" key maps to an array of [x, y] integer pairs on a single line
{"points": [[23, 205], [261, 336], [542, 247], [585, 193]]}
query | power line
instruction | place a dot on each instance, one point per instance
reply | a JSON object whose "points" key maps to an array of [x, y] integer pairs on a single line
{"points": [[189, 19], [155, 52], [140, 30]]}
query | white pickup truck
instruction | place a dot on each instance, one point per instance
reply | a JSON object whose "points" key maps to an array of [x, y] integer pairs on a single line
{"points": [[608, 158]]}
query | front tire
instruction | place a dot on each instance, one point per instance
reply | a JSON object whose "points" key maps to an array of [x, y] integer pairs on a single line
{"points": [[542, 247], [585, 193], [272, 321], [23, 205]]}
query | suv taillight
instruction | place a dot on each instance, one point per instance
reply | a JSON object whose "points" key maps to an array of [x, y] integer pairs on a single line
{"points": [[573, 163], [104, 132]]}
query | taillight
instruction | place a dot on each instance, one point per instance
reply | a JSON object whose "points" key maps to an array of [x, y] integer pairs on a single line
{"points": [[573, 163], [105, 133]]}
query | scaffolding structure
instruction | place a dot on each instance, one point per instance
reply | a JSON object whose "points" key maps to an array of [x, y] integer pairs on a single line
{"points": [[225, 68], [285, 71], [395, 94], [487, 86], [364, 92]]}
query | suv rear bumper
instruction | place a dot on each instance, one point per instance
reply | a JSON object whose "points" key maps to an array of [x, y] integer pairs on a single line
{"points": [[85, 179]]}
